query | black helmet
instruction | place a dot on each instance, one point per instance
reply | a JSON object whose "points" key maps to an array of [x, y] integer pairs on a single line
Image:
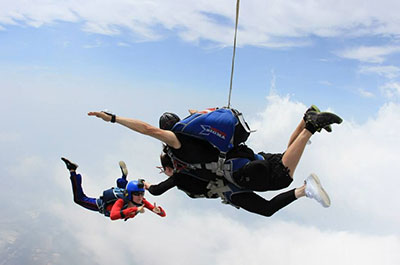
{"points": [[168, 120]]}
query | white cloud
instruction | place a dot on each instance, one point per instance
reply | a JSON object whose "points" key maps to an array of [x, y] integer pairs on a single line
{"points": [[350, 161], [391, 90], [325, 83], [365, 93], [97, 44], [205, 238], [356, 163], [262, 23], [388, 71], [123, 44], [370, 54]]}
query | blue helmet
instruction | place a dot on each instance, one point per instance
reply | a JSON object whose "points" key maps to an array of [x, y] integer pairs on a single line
{"points": [[134, 186]]}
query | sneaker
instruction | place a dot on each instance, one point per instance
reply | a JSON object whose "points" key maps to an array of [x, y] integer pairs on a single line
{"points": [[124, 169], [318, 120], [327, 128], [315, 191], [69, 164]]}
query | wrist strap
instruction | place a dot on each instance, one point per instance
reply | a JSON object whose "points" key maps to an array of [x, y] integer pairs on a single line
{"points": [[113, 116]]}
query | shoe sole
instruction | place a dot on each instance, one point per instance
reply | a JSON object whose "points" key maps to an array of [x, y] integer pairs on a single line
{"points": [[123, 167], [337, 120], [324, 195]]}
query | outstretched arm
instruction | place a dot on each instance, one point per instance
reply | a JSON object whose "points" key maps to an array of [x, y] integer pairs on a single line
{"points": [[154, 208], [160, 188], [168, 137]]}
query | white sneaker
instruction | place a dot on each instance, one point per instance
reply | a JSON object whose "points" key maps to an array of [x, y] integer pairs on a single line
{"points": [[315, 191], [124, 169]]}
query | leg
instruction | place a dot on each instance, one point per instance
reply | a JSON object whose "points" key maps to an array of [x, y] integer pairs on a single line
{"points": [[294, 152], [79, 196], [264, 175], [257, 204], [122, 182], [300, 192], [313, 121], [302, 125], [296, 132], [76, 181]]}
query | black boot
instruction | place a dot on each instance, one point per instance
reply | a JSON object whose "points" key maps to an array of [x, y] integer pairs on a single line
{"points": [[69, 164], [317, 120], [327, 128]]}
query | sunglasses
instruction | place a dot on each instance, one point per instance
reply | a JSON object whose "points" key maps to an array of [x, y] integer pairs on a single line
{"points": [[138, 193]]}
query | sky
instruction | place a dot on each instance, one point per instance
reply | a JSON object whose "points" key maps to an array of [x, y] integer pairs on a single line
{"points": [[62, 59]]}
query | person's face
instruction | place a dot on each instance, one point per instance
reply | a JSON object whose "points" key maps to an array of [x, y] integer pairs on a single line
{"points": [[168, 171], [137, 197]]}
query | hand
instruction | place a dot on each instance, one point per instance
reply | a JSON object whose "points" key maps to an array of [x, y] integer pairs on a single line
{"points": [[156, 209], [131, 212], [140, 209], [100, 114], [146, 185]]}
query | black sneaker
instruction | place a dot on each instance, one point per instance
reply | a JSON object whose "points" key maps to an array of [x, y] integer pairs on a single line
{"points": [[69, 164], [327, 128], [318, 120]]}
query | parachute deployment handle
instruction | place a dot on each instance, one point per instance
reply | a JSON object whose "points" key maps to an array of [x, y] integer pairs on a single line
{"points": [[234, 52]]}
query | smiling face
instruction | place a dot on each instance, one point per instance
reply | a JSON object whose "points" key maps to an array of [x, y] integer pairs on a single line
{"points": [[137, 197]]}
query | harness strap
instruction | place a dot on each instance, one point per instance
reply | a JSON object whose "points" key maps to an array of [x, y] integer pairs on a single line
{"points": [[213, 167], [179, 164], [217, 187], [241, 120], [220, 164]]}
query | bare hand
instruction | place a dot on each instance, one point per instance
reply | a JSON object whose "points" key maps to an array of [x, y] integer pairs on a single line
{"points": [[140, 209], [146, 185], [100, 114], [156, 209]]}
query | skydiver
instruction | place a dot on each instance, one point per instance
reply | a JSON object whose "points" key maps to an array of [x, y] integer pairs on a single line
{"points": [[123, 202], [267, 172]]}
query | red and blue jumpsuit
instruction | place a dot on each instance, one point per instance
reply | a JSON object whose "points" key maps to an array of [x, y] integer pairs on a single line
{"points": [[117, 210]]}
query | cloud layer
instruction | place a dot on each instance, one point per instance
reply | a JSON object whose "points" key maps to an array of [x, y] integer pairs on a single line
{"points": [[262, 23], [355, 163]]}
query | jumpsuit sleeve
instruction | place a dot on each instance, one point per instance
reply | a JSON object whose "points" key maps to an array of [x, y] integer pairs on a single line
{"points": [[160, 188], [150, 206], [117, 212]]}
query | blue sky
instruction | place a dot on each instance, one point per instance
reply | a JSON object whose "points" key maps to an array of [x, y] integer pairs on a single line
{"points": [[309, 73], [59, 60]]}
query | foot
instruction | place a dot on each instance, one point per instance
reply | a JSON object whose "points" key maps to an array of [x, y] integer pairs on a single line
{"points": [[327, 128], [317, 120], [124, 169], [315, 191], [70, 166]]}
